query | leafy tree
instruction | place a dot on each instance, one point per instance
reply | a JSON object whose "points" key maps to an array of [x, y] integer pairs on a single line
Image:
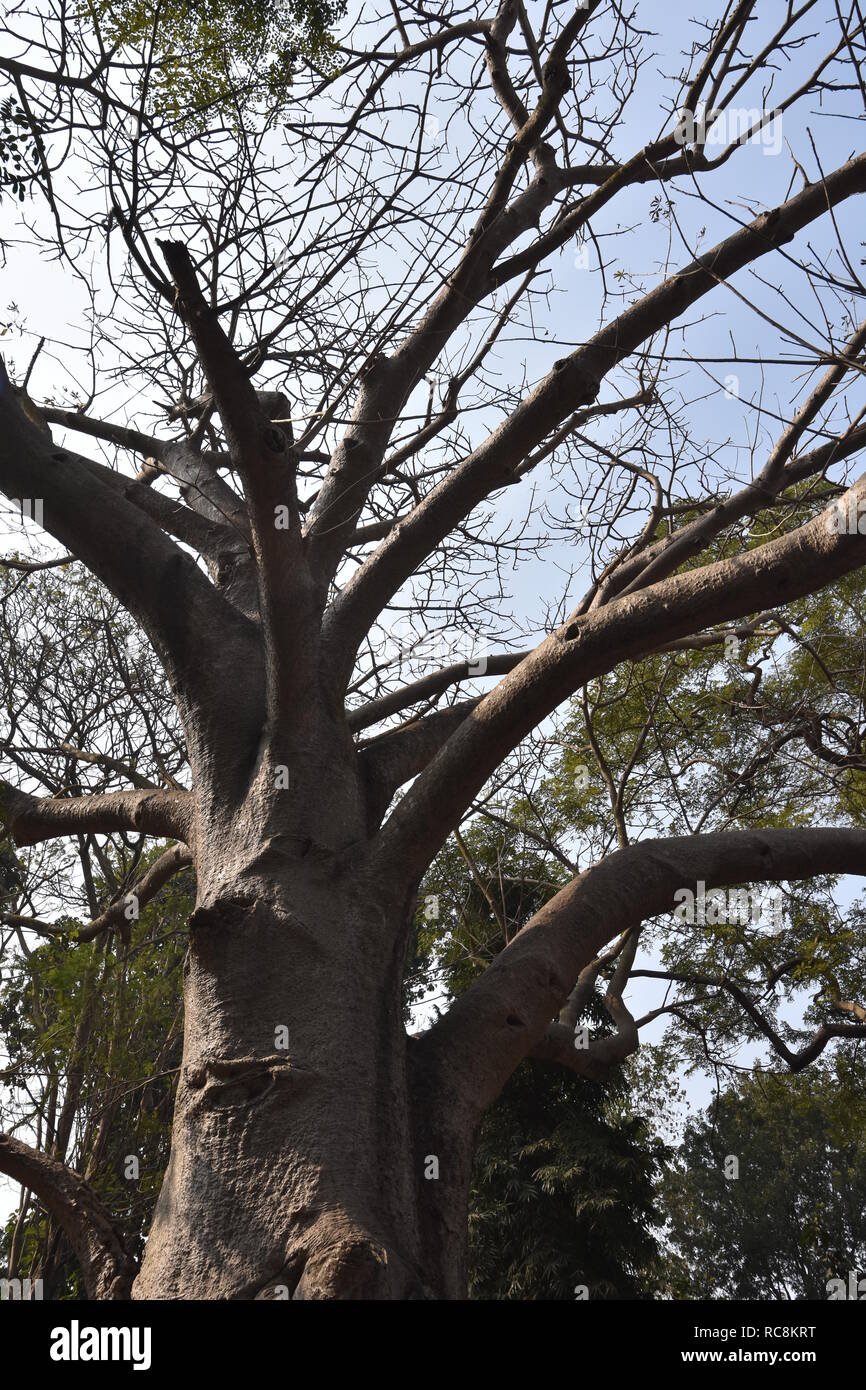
{"points": [[794, 1216], [219, 57], [563, 1202], [93, 1038], [16, 148]]}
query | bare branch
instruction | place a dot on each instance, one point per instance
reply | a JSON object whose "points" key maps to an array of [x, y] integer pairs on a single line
{"points": [[588, 645], [106, 1266], [32, 819], [506, 1013]]}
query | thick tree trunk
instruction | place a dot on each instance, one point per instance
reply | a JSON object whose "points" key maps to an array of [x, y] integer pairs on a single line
{"points": [[294, 1170]]}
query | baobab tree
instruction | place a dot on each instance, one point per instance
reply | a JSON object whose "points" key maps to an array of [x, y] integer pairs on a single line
{"points": [[320, 371]]}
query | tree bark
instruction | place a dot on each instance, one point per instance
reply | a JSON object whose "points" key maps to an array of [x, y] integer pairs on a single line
{"points": [[106, 1266], [293, 1171]]}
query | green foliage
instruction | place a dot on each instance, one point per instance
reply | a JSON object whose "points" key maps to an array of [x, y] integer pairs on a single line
{"points": [[219, 57], [17, 148], [107, 1019], [11, 874], [796, 1215], [677, 732], [460, 925], [563, 1194], [706, 740]]}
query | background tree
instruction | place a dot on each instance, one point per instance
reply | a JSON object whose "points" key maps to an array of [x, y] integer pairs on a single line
{"points": [[563, 1201], [794, 1217], [218, 58], [92, 1033], [293, 357], [93, 1041]]}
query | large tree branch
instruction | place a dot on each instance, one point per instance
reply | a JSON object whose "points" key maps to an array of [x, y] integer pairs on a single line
{"points": [[400, 754], [202, 488], [209, 536], [120, 769], [106, 1266], [506, 1013], [143, 891], [353, 468], [106, 431], [636, 568], [428, 687], [593, 1062], [596, 1059], [590, 644], [32, 819], [194, 631], [573, 382], [266, 464]]}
